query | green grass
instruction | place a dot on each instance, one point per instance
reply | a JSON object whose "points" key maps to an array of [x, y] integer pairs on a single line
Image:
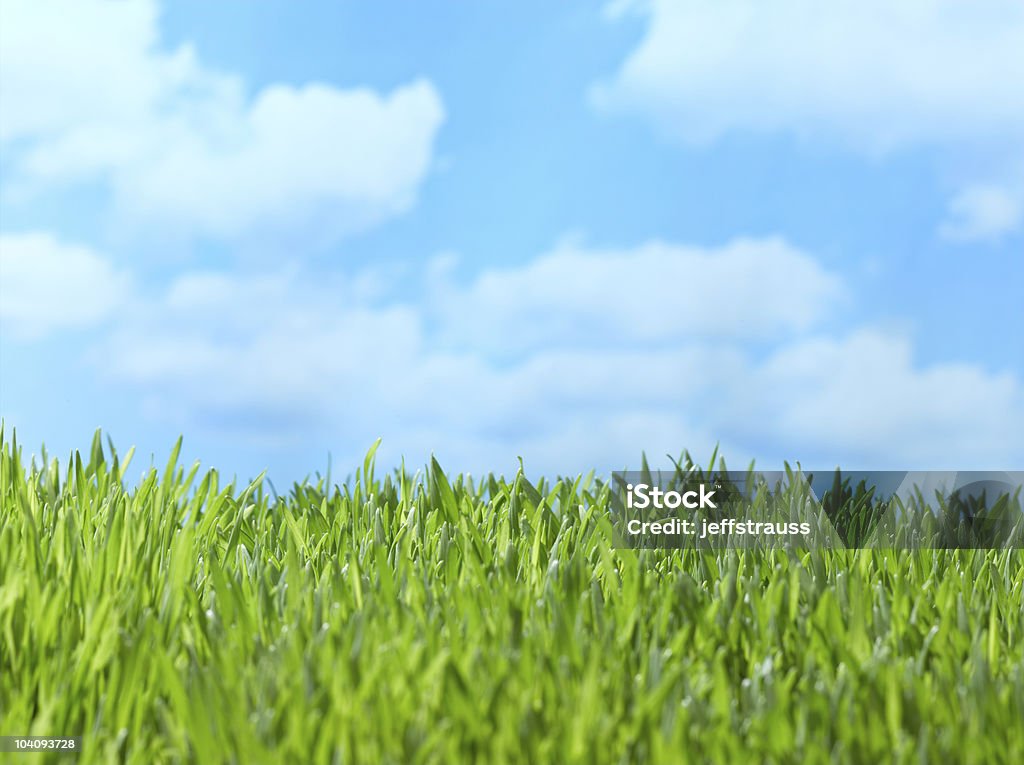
{"points": [[428, 619]]}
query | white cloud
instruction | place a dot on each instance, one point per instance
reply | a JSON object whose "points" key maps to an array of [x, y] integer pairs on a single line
{"points": [[747, 289], [983, 213], [66, 63], [96, 97], [861, 400], [46, 285], [870, 72], [284, 358], [870, 75]]}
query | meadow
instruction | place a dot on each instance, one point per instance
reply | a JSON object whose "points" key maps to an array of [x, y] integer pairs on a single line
{"points": [[418, 617]]}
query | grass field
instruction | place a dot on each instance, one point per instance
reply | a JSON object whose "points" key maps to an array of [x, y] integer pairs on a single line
{"points": [[428, 619]]}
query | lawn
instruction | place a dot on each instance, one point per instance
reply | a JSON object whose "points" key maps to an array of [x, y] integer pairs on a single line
{"points": [[424, 618]]}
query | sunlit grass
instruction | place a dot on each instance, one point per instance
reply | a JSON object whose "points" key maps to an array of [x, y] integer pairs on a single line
{"points": [[425, 618]]}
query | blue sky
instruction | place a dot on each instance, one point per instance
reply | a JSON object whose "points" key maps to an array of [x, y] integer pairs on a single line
{"points": [[570, 232]]}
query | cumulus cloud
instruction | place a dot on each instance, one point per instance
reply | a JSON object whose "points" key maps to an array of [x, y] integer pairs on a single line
{"points": [[872, 73], [983, 213], [96, 97], [320, 362], [83, 62], [868, 75], [47, 285], [283, 357], [861, 399], [747, 289]]}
